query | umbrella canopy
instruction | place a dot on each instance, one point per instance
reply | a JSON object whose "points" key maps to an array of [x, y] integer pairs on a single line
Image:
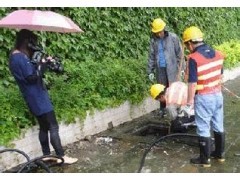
{"points": [[39, 21]]}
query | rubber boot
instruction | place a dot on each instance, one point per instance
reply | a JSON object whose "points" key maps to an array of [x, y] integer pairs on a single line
{"points": [[218, 153], [204, 158]]}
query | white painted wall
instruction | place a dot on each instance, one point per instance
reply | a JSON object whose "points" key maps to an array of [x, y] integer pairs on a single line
{"points": [[93, 124]]}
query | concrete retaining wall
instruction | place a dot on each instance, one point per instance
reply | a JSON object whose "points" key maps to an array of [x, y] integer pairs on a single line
{"points": [[93, 124]]}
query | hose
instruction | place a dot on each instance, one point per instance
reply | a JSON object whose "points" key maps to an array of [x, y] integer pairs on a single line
{"points": [[36, 162], [157, 141], [39, 161], [16, 150]]}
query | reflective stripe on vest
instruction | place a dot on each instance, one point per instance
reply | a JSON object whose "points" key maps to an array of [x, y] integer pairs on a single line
{"points": [[177, 93], [209, 72], [210, 65], [209, 85]]}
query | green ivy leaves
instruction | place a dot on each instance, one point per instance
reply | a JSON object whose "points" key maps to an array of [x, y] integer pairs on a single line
{"points": [[105, 65]]}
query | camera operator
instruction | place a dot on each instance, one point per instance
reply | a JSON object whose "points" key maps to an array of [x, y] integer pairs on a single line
{"points": [[29, 79]]}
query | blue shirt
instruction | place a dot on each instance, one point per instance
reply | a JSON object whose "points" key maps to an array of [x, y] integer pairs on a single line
{"points": [[162, 60], [35, 95], [207, 52]]}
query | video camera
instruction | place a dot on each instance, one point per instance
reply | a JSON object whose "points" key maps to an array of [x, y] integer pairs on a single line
{"points": [[53, 65]]}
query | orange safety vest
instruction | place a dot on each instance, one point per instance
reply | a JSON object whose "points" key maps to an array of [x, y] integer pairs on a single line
{"points": [[208, 72], [176, 94]]}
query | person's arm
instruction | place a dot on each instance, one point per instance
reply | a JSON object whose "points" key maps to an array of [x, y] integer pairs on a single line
{"points": [[191, 93], [172, 111], [192, 80], [178, 52], [151, 61], [192, 84], [39, 70], [30, 71]]}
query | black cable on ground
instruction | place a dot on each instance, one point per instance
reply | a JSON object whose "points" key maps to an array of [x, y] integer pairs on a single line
{"points": [[16, 150], [157, 141], [37, 162]]}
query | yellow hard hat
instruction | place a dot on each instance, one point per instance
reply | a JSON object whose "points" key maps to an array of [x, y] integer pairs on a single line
{"points": [[192, 33], [158, 25], [156, 89]]}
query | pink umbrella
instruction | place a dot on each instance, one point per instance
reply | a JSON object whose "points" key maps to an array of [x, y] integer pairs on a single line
{"points": [[39, 21]]}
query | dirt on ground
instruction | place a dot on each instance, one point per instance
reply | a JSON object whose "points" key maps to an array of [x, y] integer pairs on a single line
{"points": [[121, 149]]}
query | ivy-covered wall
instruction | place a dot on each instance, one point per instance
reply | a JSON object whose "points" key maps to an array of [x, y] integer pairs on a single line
{"points": [[105, 65]]}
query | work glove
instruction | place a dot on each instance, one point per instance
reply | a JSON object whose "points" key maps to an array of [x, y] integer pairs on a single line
{"points": [[151, 77], [187, 110]]}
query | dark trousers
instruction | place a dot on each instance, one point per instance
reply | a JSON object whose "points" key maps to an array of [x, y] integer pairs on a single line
{"points": [[162, 79], [49, 124]]}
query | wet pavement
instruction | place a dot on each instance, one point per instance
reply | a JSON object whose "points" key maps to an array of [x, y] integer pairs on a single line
{"points": [[120, 150]]}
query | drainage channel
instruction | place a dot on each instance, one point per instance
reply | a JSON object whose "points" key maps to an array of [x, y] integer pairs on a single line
{"points": [[128, 143], [121, 149], [115, 149]]}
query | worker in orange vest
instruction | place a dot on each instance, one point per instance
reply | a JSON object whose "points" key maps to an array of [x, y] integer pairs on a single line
{"points": [[175, 97], [205, 69]]}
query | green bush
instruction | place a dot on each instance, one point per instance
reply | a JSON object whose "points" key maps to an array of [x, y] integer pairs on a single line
{"points": [[14, 116], [106, 65], [231, 50], [84, 86], [97, 85]]}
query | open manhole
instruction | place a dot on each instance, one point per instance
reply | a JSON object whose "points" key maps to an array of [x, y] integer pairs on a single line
{"points": [[155, 129]]}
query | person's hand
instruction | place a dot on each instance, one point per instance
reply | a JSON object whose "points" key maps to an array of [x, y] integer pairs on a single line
{"points": [[188, 110], [47, 60], [151, 77]]}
